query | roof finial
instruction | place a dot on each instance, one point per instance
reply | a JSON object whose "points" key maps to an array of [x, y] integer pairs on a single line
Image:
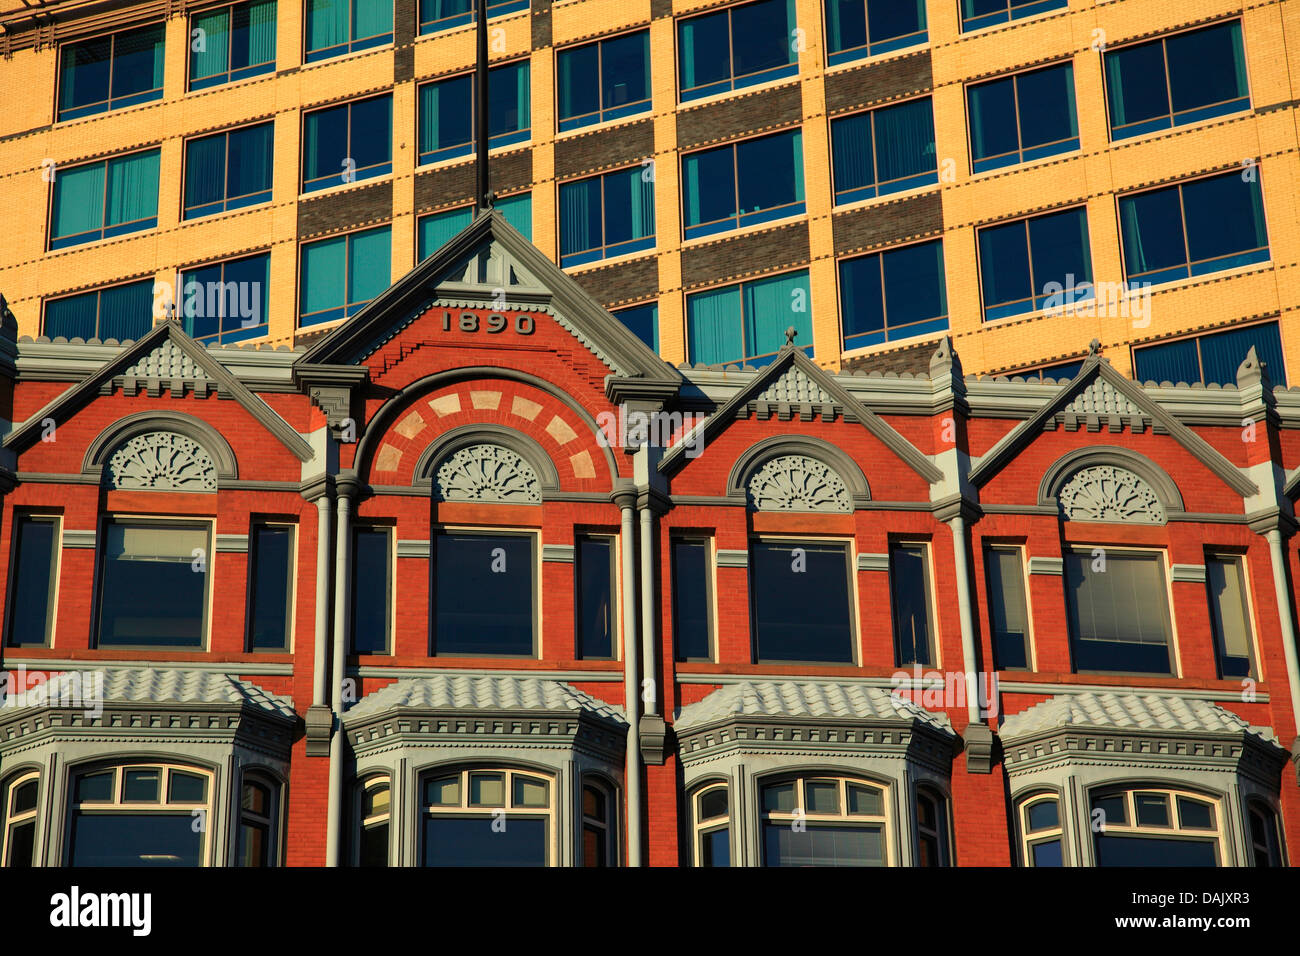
{"points": [[1094, 348], [790, 334]]}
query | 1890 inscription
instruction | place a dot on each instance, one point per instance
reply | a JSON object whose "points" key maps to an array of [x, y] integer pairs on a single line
{"points": [[495, 322]]}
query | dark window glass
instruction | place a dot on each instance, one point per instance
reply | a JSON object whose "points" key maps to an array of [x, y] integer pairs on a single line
{"points": [[1036, 263], [1044, 816], [1048, 853], [228, 171], [985, 13], [743, 184], [1119, 616], [372, 586], [801, 604], [608, 215], [447, 113], [821, 845], [736, 47], [746, 322], [1152, 851], [1007, 607], [909, 584], [483, 594], [603, 81], [232, 43], [104, 199], [1212, 358], [1266, 846], [255, 833], [108, 73], [893, 295], [32, 591], [931, 831], [1023, 117], [170, 563], [134, 839], [1195, 815], [1192, 229], [595, 598], [475, 841], [141, 786], [121, 312], [226, 302], [335, 27], [860, 28], [271, 581], [1229, 615], [691, 604], [643, 322], [1152, 809], [715, 848], [1176, 80], [347, 143], [339, 276], [95, 787], [438, 15], [884, 151], [186, 787], [1113, 809]]}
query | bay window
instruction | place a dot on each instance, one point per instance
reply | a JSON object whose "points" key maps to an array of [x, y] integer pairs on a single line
{"points": [[487, 817], [140, 815], [833, 821], [1157, 827]]}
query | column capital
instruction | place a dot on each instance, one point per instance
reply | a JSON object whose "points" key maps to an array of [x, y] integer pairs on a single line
{"points": [[624, 494]]}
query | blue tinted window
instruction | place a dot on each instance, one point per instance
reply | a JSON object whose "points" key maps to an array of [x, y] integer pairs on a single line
{"points": [[483, 594], [743, 184], [1036, 263], [594, 592], [372, 585], [100, 200], [884, 151], [860, 28], [1213, 358], [1119, 618], [111, 72], [478, 841], [228, 171], [802, 610], [691, 604], [438, 15], [335, 27], [271, 587], [121, 312], [909, 585], [985, 13], [1176, 80], [31, 594], [1022, 118], [343, 144], [1148, 851], [1193, 228], [134, 839], [603, 81], [227, 301], [643, 321], [736, 47], [447, 113], [232, 43], [746, 322], [893, 295], [161, 560], [609, 215], [339, 275]]}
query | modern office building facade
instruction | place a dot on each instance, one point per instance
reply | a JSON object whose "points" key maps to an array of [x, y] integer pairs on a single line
{"points": [[903, 170], [478, 578]]}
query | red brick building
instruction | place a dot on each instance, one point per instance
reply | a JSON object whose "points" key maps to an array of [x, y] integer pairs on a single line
{"points": [[477, 578]]}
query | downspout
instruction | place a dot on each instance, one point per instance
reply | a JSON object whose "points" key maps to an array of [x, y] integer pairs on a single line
{"points": [[342, 615], [624, 496], [958, 526], [1275, 551], [650, 696], [323, 530]]}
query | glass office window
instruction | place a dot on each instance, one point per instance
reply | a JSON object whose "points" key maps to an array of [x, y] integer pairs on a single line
{"points": [[893, 295]]}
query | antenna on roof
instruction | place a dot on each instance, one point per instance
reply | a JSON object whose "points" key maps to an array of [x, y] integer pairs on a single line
{"points": [[483, 191]]}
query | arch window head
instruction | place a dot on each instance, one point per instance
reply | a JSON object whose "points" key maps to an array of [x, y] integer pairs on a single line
{"points": [[1041, 832], [933, 846], [18, 837], [597, 826], [824, 821], [1156, 827], [712, 842], [258, 812], [376, 804], [140, 815], [1265, 839], [487, 817]]}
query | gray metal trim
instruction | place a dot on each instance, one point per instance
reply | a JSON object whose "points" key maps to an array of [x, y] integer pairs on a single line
{"points": [[1232, 695], [382, 670], [559, 553], [235, 669], [79, 538], [413, 548], [232, 543], [1045, 565], [728, 558], [1187, 572], [873, 562]]}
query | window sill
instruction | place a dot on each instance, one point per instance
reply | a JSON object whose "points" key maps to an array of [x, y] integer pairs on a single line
{"points": [[1174, 285], [341, 187], [923, 46], [1014, 22], [1031, 164], [225, 213], [304, 64], [464, 158], [619, 259], [886, 198], [493, 19], [645, 114], [701, 241], [95, 243], [683, 106], [1175, 130], [865, 350]]}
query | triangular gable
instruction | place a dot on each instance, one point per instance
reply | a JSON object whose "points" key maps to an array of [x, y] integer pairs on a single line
{"points": [[165, 358], [486, 259], [1098, 396], [794, 384]]}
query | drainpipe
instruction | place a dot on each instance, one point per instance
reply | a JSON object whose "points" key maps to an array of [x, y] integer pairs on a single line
{"points": [[958, 525], [651, 696], [1275, 551], [323, 530], [342, 619], [624, 496]]}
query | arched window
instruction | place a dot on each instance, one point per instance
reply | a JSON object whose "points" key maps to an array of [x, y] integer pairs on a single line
{"points": [[933, 846], [140, 815], [1157, 827], [487, 817], [824, 821], [258, 813], [712, 826], [18, 838], [1265, 840], [1040, 831], [375, 806], [598, 839]]}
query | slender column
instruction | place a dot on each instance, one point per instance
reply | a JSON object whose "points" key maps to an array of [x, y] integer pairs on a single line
{"points": [[323, 529], [342, 601], [969, 657], [625, 498], [1275, 551], [651, 696]]}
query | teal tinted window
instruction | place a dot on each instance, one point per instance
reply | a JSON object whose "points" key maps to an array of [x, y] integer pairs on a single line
{"points": [[893, 295], [346, 143], [976, 14], [1036, 263], [121, 312], [338, 276], [743, 184], [226, 301], [100, 200], [861, 28], [447, 113], [736, 47], [603, 81], [1212, 358], [108, 73], [643, 322], [228, 170], [335, 27], [1023, 117], [747, 322], [608, 215], [438, 15], [884, 151], [232, 43]]}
